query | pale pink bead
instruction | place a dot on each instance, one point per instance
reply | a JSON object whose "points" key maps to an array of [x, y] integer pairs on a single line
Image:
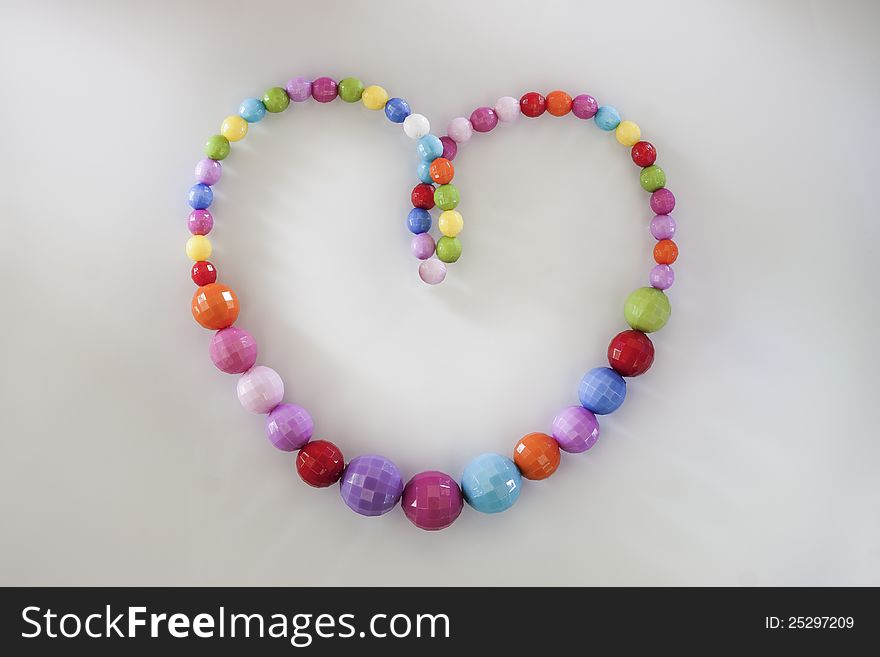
{"points": [[507, 109], [432, 271], [260, 389], [460, 130]]}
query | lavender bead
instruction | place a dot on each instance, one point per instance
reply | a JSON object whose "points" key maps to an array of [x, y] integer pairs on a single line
{"points": [[460, 130], [260, 389], [208, 171], [662, 277], [299, 89], [484, 119], [289, 427], [371, 485], [200, 222], [584, 106], [662, 201], [422, 246], [432, 271], [324, 90], [507, 109], [575, 429], [663, 227], [233, 350]]}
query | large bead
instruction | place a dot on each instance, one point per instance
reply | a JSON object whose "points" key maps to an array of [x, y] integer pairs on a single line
{"points": [[215, 306], [575, 429], [491, 483], [536, 455], [233, 350], [260, 389], [602, 390], [631, 353], [432, 500], [371, 485], [647, 309]]}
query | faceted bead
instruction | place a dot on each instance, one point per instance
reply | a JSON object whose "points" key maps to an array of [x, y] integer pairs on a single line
{"points": [[631, 353], [432, 271], [532, 104], [491, 483], [374, 97], [460, 130], [416, 126], [423, 196], [200, 196], [662, 201], [652, 178], [260, 389], [432, 500], [276, 100], [446, 197], [371, 485], [607, 117], [198, 247], [647, 309], [442, 171], [584, 106], [507, 109], [252, 110], [217, 147], [203, 273], [643, 153], [429, 147], [665, 252], [233, 350], [208, 171], [423, 172], [663, 227], [215, 306], [422, 246], [558, 103], [320, 463], [450, 223], [200, 222], [234, 128], [602, 390], [627, 133], [289, 427], [299, 89], [324, 90], [536, 455], [418, 221], [484, 119], [661, 277], [575, 429], [397, 109], [450, 148], [448, 249], [350, 89]]}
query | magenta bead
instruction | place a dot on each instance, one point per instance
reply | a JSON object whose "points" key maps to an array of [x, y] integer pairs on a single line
{"points": [[662, 277], [200, 222], [662, 201], [299, 89], [575, 429], [422, 246], [663, 227], [584, 106], [460, 130], [432, 500], [324, 90], [289, 427], [450, 148], [233, 350], [484, 119], [432, 271], [260, 389], [208, 171]]}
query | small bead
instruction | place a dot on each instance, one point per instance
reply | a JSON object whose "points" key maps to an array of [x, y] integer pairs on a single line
{"points": [[397, 109], [423, 172], [208, 171], [200, 196], [324, 90], [200, 222], [647, 309], [432, 500], [198, 247], [320, 463], [602, 390], [252, 110], [607, 118], [630, 353], [584, 106], [418, 221], [652, 178], [663, 227], [446, 197], [299, 89], [448, 249], [260, 389], [422, 246], [662, 201], [289, 427], [374, 97], [203, 273], [575, 429], [643, 153], [215, 306], [429, 147], [536, 455], [217, 147], [491, 483], [507, 109], [234, 128], [422, 196], [450, 223], [432, 271], [371, 485], [627, 133], [233, 350], [484, 119], [661, 277], [416, 126], [665, 252], [450, 148], [460, 130], [442, 171], [532, 104], [276, 100], [558, 103], [350, 89]]}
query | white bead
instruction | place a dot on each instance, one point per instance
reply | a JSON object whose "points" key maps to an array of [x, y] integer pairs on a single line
{"points": [[260, 389], [416, 126], [507, 109]]}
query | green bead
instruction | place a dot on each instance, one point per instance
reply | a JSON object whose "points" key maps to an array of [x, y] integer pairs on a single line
{"points": [[647, 309], [448, 249], [350, 90], [652, 178], [276, 100], [446, 197], [217, 147]]}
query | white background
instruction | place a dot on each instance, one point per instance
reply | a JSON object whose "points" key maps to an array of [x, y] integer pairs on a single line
{"points": [[747, 455]]}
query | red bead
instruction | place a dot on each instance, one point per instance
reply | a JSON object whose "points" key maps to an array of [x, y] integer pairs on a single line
{"points": [[320, 463], [643, 153], [532, 104], [204, 273], [631, 353], [423, 196]]}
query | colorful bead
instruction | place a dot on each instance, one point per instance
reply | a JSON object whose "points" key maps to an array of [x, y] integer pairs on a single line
{"points": [[643, 153], [602, 390], [558, 103], [446, 197], [442, 171], [208, 171], [607, 117], [371, 485], [575, 429], [663, 227], [423, 172], [429, 147], [289, 427], [450, 148], [397, 109], [217, 147], [233, 350], [627, 133], [299, 89], [203, 273], [418, 221], [234, 128], [198, 247], [584, 106], [200, 196], [260, 389], [422, 246], [483, 119], [652, 178], [450, 223], [215, 306], [432, 500], [661, 277], [647, 309], [432, 271], [536, 455], [448, 249], [422, 196], [416, 126], [631, 353], [507, 109], [252, 110], [320, 463], [665, 252], [200, 222], [350, 89], [460, 130], [491, 483], [532, 104], [374, 97], [276, 100], [662, 201], [324, 90]]}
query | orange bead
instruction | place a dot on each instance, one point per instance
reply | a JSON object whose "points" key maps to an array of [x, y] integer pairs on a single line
{"points": [[536, 456], [215, 306], [441, 171], [665, 252], [558, 103]]}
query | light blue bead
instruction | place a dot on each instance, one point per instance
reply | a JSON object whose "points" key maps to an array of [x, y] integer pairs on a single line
{"points": [[397, 109], [602, 390], [430, 148], [424, 172], [607, 117], [491, 483], [200, 196], [418, 221], [252, 110]]}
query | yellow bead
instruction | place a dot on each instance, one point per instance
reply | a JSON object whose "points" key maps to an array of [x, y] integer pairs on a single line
{"points": [[627, 133], [233, 128], [450, 223], [198, 247], [374, 97]]}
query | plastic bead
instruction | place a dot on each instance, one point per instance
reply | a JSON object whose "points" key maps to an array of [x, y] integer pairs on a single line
{"points": [[450, 223], [217, 147], [203, 273], [448, 249], [200, 196], [423, 172], [627, 133], [233, 350], [418, 221], [665, 252], [661, 277], [460, 130], [234, 128], [432, 271], [200, 222], [536, 455], [276, 100], [662, 201], [416, 126], [350, 89], [647, 309], [371, 485], [324, 90], [631, 353], [446, 197], [602, 390], [558, 103], [432, 500], [507, 109], [260, 389], [429, 147], [208, 171], [607, 117], [663, 227], [289, 427], [320, 463], [532, 104], [215, 306], [484, 119], [198, 247], [442, 171], [299, 89], [491, 483], [422, 196], [575, 429], [374, 97], [450, 148], [397, 109], [422, 246], [252, 110], [584, 106], [643, 154], [652, 178]]}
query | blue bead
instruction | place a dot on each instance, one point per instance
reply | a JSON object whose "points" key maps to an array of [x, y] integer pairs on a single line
{"points": [[491, 483], [397, 109], [607, 117], [200, 196], [430, 148], [252, 110], [602, 390], [419, 221], [424, 172]]}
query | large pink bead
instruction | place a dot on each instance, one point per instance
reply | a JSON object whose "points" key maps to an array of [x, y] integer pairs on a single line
{"points": [[260, 389], [289, 427], [233, 350], [432, 500], [484, 119], [460, 130]]}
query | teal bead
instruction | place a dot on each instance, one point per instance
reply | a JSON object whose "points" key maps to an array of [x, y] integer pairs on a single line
{"points": [[491, 483], [607, 117], [424, 172], [430, 148], [446, 197], [652, 178], [217, 147], [276, 100], [448, 249], [647, 309], [350, 90]]}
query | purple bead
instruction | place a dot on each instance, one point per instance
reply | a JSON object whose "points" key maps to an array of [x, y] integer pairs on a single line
{"points": [[371, 485], [432, 500], [662, 277], [662, 201], [584, 106], [299, 89], [483, 119], [200, 222], [233, 350], [575, 429], [324, 90], [450, 148], [289, 427], [422, 246], [208, 171], [663, 227]]}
